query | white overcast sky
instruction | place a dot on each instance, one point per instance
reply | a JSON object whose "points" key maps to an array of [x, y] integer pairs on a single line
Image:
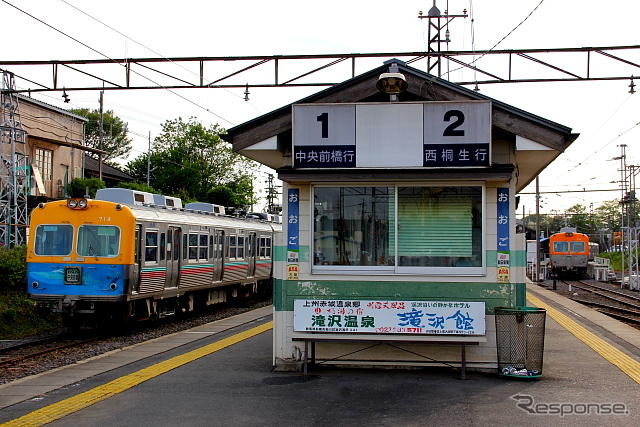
{"points": [[599, 111]]}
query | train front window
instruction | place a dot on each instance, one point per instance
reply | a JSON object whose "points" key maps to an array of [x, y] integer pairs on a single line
{"points": [[98, 240], [53, 239], [561, 246], [577, 247]]}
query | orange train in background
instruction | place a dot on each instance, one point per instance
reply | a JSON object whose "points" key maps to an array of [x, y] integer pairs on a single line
{"points": [[570, 252]]}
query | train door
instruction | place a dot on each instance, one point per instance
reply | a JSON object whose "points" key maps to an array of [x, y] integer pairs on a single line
{"points": [[135, 273], [218, 251], [173, 257], [251, 254]]}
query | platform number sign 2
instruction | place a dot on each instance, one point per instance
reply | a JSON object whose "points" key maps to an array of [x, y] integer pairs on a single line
{"points": [[453, 128], [457, 137]]}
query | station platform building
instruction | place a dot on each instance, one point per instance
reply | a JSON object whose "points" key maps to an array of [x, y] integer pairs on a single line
{"points": [[399, 200]]}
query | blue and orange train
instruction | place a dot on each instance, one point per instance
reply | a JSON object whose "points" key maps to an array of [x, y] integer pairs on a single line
{"points": [[124, 256]]}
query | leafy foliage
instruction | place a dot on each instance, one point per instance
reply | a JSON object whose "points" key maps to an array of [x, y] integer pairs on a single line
{"points": [[138, 186], [190, 161], [13, 269], [19, 317], [115, 140], [598, 223], [78, 187]]}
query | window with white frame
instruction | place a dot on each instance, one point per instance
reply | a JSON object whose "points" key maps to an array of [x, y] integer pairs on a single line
{"points": [[44, 163], [407, 229]]}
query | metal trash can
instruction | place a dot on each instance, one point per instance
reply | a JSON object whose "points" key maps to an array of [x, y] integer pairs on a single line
{"points": [[520, 341]]}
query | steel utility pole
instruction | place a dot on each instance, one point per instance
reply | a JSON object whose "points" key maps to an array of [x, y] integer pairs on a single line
{"points": [[101, 135], [438, 22], [623, 183], [149, 162], [537, 228], [14, 168]]}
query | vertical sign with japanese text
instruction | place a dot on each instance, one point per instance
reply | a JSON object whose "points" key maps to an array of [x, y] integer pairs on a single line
{"points": [[502, 261], [293, 233]]}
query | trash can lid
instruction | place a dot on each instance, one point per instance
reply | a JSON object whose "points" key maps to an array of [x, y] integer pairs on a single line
{"points": [[520, 309]]}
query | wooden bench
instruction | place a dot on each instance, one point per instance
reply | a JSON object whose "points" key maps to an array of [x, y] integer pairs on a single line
{"points": [[378, 339]]}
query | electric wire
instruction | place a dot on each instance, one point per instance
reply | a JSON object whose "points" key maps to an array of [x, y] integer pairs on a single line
{"points": [[499, 41], [597, 130], [115, 62], [148, 48]]}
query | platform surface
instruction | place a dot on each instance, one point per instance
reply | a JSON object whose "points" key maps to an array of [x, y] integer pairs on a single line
{"points": [[221, 375]]}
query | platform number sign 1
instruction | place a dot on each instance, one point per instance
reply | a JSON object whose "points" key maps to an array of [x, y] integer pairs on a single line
{"points": [[324, 120], [324, 136]]}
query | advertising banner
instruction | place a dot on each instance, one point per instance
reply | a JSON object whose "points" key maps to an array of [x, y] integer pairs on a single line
{"points": [[389, 317]]}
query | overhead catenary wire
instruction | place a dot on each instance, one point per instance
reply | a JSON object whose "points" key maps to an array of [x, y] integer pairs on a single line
{"points": [[116, 62], [147, 47], [499, 41], [580, 163]]}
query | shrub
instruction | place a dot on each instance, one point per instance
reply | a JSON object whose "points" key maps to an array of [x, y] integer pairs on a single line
{"points": [[13, 269], [78, 187]]}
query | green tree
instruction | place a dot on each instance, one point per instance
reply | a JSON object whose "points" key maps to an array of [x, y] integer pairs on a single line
{"points": [[237, 193], [138, 186], [189, 160], [78, 187], [115, 140], [578, 217], [607, 215]]}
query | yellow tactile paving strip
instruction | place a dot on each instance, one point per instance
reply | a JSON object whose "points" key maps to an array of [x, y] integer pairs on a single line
{"points": [[624, 362], [73, 404]]}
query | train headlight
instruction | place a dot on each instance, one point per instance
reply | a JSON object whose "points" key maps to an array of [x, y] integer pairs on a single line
{"points": [[35, 284], [77, 203], [113, 286]]}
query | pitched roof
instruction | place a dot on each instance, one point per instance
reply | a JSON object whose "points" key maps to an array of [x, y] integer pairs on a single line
{"points": [[42, 104], [408, 71], [91, 164]]}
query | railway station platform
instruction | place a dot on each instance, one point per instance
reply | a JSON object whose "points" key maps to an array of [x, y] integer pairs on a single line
{"points": [[220, 374]]}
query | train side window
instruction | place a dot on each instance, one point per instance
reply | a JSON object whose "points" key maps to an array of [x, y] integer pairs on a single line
{"points": [[176, 246], [151, 246], [232, 246], [193, 246], [202, 251], [211, 246], [220, 243], [240, 252], [163, 246], [561, 246], [267, 247]]}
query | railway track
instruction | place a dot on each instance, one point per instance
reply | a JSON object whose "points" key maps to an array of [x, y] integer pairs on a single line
{"points": [[12, 357], [614, 303]]}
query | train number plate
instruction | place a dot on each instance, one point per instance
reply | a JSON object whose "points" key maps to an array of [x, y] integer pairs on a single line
{"points": [[72, 275]]}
